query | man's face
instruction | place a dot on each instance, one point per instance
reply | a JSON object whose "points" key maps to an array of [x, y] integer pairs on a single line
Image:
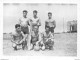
{"points": [[34, 13], [35, 28], [47, 29], [49, 15], [24, 13], [18, 29]]}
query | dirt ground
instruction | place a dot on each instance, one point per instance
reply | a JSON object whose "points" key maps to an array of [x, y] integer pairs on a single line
{"points": [[65, 45]]}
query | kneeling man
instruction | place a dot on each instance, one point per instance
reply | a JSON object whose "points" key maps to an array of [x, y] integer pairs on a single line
{"points": [[17, 37], [35, 38], [48, 39]]}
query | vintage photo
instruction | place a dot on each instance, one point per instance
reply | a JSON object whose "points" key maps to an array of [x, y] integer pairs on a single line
{"points": [[41, 29]]}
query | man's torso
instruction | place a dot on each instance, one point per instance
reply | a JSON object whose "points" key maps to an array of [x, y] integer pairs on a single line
{"points": [[50, 22], [17, 36], [35, 21], [24, 21]]}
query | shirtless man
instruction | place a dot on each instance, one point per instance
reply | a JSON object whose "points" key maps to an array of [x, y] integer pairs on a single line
{"points": [[24, 22], [48, 39], [35, 20], [50, 23], [17, 37], [35, 38]]}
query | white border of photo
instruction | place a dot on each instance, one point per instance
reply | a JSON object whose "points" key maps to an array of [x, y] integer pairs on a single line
{"points": [[39, 57]]}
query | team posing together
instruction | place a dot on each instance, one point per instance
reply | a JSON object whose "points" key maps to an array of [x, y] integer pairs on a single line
{"points": [[27, 33]]}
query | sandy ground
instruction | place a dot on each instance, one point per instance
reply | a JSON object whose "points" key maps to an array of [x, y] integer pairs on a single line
{"points": [[65, 45]]}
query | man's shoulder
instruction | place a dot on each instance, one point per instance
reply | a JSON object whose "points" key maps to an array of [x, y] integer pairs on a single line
{"points": [[32, 18], [47, 20], [14, 33], [21, 18]]}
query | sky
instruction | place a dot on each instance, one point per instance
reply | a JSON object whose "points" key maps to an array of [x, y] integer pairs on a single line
{"points": [[61, 13]]}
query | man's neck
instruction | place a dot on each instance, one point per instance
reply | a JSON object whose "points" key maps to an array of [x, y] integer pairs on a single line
{"points": [[25, 16], [50, 18], [35, 16], [47, 32]]}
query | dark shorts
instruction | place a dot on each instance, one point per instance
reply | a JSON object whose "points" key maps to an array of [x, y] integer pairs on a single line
{"points": [[25, 30], [33, 42], [51, 29]]}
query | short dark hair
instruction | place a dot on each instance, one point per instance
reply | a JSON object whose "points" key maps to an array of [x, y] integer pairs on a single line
{"points": [[25, 11], [35, 11], [17, 25], [49, 13]]}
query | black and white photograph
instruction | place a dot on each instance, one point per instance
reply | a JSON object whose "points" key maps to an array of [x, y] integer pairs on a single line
{"points": [[40, 29]]}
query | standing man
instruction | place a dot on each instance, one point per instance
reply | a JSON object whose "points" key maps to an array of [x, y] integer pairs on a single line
{"points": [[50, 23], [35, 20], [24, 22]]}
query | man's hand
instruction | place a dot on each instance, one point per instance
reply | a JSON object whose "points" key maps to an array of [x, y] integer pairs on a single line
{"points": [[16, 42], [37, 42]]}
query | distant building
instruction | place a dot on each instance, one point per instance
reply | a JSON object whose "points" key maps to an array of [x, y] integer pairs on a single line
{"points": [[72, 26]]}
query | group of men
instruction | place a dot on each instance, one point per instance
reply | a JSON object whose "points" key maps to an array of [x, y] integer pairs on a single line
{"points": [[27, 33]]}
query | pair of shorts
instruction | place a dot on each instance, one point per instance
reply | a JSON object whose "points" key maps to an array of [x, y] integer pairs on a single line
{"points": [[33, 42], [25, 30], [51, 29]]}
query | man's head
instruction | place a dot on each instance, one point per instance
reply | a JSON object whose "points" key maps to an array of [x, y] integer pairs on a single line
{"points": [[35, 28], [18, 27], [49, 15], [35, 13], [25, 13], [47, 28]]}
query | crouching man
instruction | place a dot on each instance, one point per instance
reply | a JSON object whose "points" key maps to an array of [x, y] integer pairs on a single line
{"points": [[35, 39], [17, 37], [47, 39]]}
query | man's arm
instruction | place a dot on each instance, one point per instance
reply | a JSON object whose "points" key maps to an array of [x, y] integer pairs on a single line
{"points": [[46, 23], [19, 22], [39, 22], [39, 39], [24, 37], [12, 38], [22, 34], [42, 38], [54, 23], [28, 22], [51, 36]]}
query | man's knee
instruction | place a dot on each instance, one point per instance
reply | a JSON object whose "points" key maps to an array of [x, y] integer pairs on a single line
{"points": [[14, 45]]}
